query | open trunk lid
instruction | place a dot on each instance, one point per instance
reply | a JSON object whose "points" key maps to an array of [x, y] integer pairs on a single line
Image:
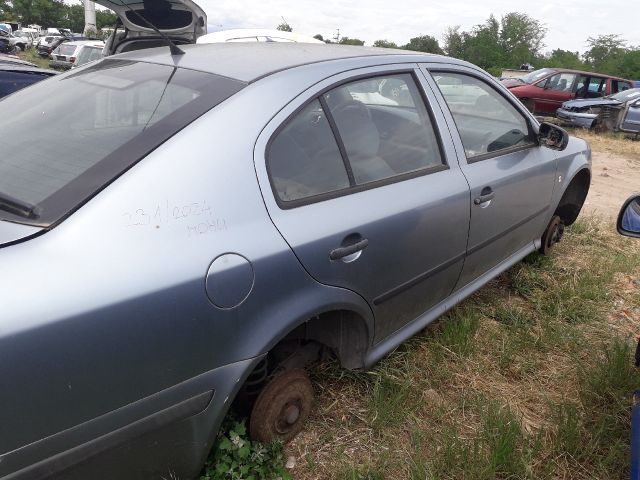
{"points": [[178, 19]]}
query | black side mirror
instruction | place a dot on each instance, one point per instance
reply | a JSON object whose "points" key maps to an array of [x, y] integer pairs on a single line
{"points": [[628, 223], [552, 136]]}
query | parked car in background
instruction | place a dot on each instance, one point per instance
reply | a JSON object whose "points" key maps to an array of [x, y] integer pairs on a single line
{"points": [[17, 77], [23, 40], [256, 35], [65, 55], [11, 42], [544, 91], [307, 231], [48, 43], [620, 111], [86, 54]]}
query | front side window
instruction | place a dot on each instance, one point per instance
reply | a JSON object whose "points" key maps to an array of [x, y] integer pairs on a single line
{"points": [[488, 123], [562, 82]]}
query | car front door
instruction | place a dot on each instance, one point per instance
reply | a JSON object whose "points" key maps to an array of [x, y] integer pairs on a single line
{"points": [[361, 178], [510, 175], [557, 89]]}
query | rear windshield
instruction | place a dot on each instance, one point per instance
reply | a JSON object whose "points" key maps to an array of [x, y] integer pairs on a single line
{"points": [[66, 138], [66, 49]]}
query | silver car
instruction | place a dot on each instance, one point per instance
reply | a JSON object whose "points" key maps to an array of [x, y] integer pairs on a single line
{"points": [[188, 231]]}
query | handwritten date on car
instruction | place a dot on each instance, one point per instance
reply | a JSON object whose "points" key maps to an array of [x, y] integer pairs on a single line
{"points": [[196, 216]]}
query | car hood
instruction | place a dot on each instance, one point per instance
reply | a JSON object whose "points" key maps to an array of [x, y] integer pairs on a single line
{"points": [[513, 82], [172, 17], [13, 232], [590, 102]]}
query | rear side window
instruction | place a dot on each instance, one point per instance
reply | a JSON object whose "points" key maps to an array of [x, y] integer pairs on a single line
{"points": [[304, 157], [126, 110], [385, 127], [372, 130], [620, 86], [487, 122]]}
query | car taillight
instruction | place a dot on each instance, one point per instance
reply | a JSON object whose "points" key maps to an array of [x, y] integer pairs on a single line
{"points": [[72, 59]]}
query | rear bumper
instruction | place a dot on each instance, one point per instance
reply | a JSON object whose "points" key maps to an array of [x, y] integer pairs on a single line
{"points": [[60, 64], [143, 440], [584, 120]]}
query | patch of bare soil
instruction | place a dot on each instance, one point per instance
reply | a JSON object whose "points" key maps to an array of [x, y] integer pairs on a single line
{"points": [[616, 173]]}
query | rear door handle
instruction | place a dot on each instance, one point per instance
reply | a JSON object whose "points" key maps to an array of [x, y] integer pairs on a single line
{"points": [[342, 252], [486, 195]]}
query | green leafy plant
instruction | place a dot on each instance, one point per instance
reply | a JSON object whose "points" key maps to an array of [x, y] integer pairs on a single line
{"points": [[235, 457]]}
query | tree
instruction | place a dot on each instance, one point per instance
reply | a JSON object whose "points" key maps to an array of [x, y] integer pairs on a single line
{"points": [[42, 12], [482, 45], [603, 50], [424, 43], [317, 36], [521, 38], [351, 41], [105, 19], [384, 44], [454, 42], [565, 59], [74, 18], [284, 26]]}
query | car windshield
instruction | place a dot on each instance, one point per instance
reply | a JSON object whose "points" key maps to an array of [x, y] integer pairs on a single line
{"points": [[626, 95], [127, 110], [536, 75]]}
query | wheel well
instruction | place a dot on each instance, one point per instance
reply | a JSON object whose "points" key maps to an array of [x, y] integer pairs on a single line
{"points": [[574, 196], [344, 332]]}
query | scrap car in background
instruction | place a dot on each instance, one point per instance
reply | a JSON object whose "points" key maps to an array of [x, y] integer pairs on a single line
{"points": [[66, 54], [256, 35], [618, 112], [544, 91], [87, 53]]}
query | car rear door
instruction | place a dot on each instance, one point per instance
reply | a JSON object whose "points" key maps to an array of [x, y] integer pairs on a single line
{"points": [[363, 182], [510, 175]]}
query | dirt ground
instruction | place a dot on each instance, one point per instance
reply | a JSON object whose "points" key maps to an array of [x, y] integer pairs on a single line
{"points": [[616, 173]]}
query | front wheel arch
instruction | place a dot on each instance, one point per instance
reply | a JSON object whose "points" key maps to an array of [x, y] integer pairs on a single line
{"points": [[573, 197]]}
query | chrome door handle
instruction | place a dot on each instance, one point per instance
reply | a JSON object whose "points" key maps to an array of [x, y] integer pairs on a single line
{"points": [[342, 252]]}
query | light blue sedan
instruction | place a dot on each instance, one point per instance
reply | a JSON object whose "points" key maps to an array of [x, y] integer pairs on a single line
{"points": [[179, 232]]}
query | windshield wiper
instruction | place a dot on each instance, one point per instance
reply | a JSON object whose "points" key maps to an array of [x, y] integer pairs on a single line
{"points": [[18, 207]]}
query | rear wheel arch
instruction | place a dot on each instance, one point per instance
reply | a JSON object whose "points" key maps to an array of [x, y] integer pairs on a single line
{"points": [[573, 197]]}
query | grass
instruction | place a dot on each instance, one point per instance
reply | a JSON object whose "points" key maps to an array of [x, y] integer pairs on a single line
{"points": [[32, 56], [531, 377]]}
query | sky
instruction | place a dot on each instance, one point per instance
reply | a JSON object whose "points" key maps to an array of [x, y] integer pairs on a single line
{"points": [[569, 22]]}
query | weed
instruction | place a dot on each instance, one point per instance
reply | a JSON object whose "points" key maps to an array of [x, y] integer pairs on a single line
{"points": [[235, 457]]}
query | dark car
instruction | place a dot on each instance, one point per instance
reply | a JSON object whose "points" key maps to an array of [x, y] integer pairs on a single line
{"points": [[620, 111], [17, 77], [544, 91]]}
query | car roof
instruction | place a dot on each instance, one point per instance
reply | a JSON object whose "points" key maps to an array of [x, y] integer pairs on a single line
{"points": [[248, 62], [583, 72]]}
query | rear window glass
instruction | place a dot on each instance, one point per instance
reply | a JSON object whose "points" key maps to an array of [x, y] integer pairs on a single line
{"points": [[66, 49], [127, 110]]}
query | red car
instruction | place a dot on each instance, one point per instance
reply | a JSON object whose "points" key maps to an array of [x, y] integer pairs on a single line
{"points": [[545, 90]]}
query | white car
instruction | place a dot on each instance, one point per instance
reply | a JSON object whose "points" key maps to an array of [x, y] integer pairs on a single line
{"points": [[65, 55], [24, 40], [255, 35]]}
